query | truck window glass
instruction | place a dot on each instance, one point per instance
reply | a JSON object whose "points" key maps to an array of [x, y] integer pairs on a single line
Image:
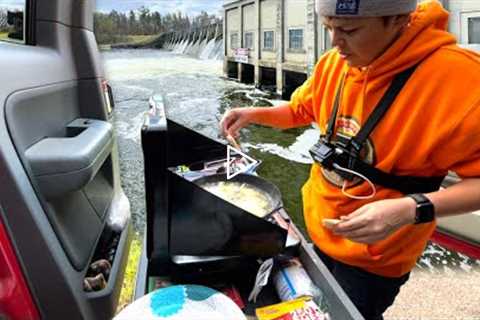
{"points": [[12, 21]]}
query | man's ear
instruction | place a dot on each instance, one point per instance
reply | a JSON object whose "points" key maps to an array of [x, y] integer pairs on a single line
{"points": [[401, 20]]}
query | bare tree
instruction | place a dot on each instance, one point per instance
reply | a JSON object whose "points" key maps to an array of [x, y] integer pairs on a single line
{"points": [[3, 20]]}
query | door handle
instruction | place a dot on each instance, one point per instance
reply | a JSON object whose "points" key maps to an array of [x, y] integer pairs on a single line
{"points": [[65, 164]]}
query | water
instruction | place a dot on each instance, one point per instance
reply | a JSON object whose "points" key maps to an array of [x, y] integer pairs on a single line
{"points": [[203, 49], [196, 95], [205, 54]]}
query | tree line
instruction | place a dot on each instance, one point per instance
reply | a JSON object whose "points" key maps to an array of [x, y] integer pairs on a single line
{"points": [[116, 26]]}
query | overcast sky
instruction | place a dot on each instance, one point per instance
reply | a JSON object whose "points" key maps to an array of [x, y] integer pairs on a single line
{"points": [[9, 4], [189, 7]]}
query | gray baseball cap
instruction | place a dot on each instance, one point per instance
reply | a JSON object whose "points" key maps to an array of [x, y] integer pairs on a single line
{"points": [[364, 8]]}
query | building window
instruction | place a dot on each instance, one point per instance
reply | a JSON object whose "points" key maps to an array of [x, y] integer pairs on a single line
{"points": [[474, 30], [234, 40], [12, 22], [249, 40], [295, 39], [268, 40]]}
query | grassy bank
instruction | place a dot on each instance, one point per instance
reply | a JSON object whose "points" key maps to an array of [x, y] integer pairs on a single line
{"points": [[106, 41], [126, 295], [140, 39]]}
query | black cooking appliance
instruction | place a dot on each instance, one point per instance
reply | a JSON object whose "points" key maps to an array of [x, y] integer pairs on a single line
{"points": [[190, 224]]}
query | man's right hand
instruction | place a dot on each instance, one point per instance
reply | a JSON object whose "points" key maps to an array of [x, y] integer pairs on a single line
{"points": [[236, 119], [280, 116]]}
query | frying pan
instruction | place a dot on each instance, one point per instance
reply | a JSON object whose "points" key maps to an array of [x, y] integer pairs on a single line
{"points": [[261, 185]]}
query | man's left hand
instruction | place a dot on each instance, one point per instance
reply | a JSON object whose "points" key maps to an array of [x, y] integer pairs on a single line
{"points": [[377, 220]]}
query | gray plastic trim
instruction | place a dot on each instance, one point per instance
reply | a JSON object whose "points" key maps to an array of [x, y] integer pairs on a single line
{"points": [[62, 165], [73, 13], [64, 59], [104, 302], [339, 304]]}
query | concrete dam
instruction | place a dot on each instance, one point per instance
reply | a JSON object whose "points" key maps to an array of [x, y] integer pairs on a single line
{"points": [[202, 43]]}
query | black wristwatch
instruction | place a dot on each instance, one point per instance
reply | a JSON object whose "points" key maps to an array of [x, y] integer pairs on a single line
{"points": [[425, 211]]}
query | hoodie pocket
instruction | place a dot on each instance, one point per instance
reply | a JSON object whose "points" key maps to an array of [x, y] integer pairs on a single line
{"points": [[374, 252]]}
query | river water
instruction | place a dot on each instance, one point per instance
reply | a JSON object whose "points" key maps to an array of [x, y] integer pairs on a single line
{"points": [[196, 95]]}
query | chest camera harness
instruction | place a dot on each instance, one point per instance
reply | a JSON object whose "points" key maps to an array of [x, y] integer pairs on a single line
{"points": [[345, 153]]}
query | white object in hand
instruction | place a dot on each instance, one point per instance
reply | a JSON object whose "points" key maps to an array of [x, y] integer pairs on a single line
{"points": [[330, 223]]}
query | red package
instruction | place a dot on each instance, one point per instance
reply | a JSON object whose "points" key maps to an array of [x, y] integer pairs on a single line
{"points": [[309, 312], [233, 294]]}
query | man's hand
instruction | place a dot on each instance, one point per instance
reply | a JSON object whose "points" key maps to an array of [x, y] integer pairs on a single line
{"points": [[280, 116], [234, 120], [377, 220]]}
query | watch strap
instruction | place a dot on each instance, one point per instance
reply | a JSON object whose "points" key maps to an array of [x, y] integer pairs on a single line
{"points": [[425, 211]]}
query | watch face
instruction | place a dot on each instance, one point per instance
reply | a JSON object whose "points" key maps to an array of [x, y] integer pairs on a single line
{"points": [[425, 214], [425, 209]]}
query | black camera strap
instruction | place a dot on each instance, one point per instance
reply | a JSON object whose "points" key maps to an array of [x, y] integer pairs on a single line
{"points": [[336, 105], [382, 107], [405, 184], [387, 100]]}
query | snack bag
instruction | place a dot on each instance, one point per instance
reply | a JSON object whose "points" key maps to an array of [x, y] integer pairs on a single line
{"points": [[298, 309]]}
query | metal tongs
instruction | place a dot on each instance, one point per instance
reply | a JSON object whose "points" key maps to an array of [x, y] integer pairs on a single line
{"points": [[242, 159], [233, 142]]}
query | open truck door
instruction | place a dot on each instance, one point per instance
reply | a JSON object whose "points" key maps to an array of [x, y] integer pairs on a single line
{"points": [[61, 204]]}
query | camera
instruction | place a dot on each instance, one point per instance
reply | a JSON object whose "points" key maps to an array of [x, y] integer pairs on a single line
{"points": [[332, 156], [323, 153]]}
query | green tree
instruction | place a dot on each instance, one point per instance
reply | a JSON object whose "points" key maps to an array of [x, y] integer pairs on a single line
{"points": [[156, 22], [115, 26], [132, 23]]}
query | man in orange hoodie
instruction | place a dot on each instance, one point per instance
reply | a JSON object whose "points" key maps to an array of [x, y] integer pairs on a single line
{"points": [[430, 127]]}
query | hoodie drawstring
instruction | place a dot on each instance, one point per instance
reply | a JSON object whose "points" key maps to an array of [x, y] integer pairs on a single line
{"points": [[364, 90]]}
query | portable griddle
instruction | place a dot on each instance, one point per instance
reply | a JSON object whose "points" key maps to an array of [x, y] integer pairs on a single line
{"points": [[189, 223]]}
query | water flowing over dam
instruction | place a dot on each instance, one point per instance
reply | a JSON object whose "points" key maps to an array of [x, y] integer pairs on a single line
{"points": [[205, 43]]}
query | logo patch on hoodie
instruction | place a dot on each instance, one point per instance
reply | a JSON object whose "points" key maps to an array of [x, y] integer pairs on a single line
{"points": [[349, 7], [348, 127]]}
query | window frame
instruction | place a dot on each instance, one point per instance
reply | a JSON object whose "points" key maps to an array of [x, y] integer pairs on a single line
{"points": [[289, 40], [464, 25], [264, 48], [237, 45], [252, 33]]}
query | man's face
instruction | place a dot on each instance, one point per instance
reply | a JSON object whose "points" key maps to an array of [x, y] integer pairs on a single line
{"points": [[361, 40]]}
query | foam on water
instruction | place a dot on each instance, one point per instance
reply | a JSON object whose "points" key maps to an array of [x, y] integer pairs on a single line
{"points": [[130, 130], [297, 152], [208, 50], [155, 63]]}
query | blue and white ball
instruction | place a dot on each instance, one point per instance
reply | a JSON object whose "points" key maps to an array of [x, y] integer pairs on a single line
{"points": [[183, 302]]}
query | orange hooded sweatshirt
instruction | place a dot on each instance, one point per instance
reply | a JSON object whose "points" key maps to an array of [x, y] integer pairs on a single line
{"points": [[432, 127]]}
